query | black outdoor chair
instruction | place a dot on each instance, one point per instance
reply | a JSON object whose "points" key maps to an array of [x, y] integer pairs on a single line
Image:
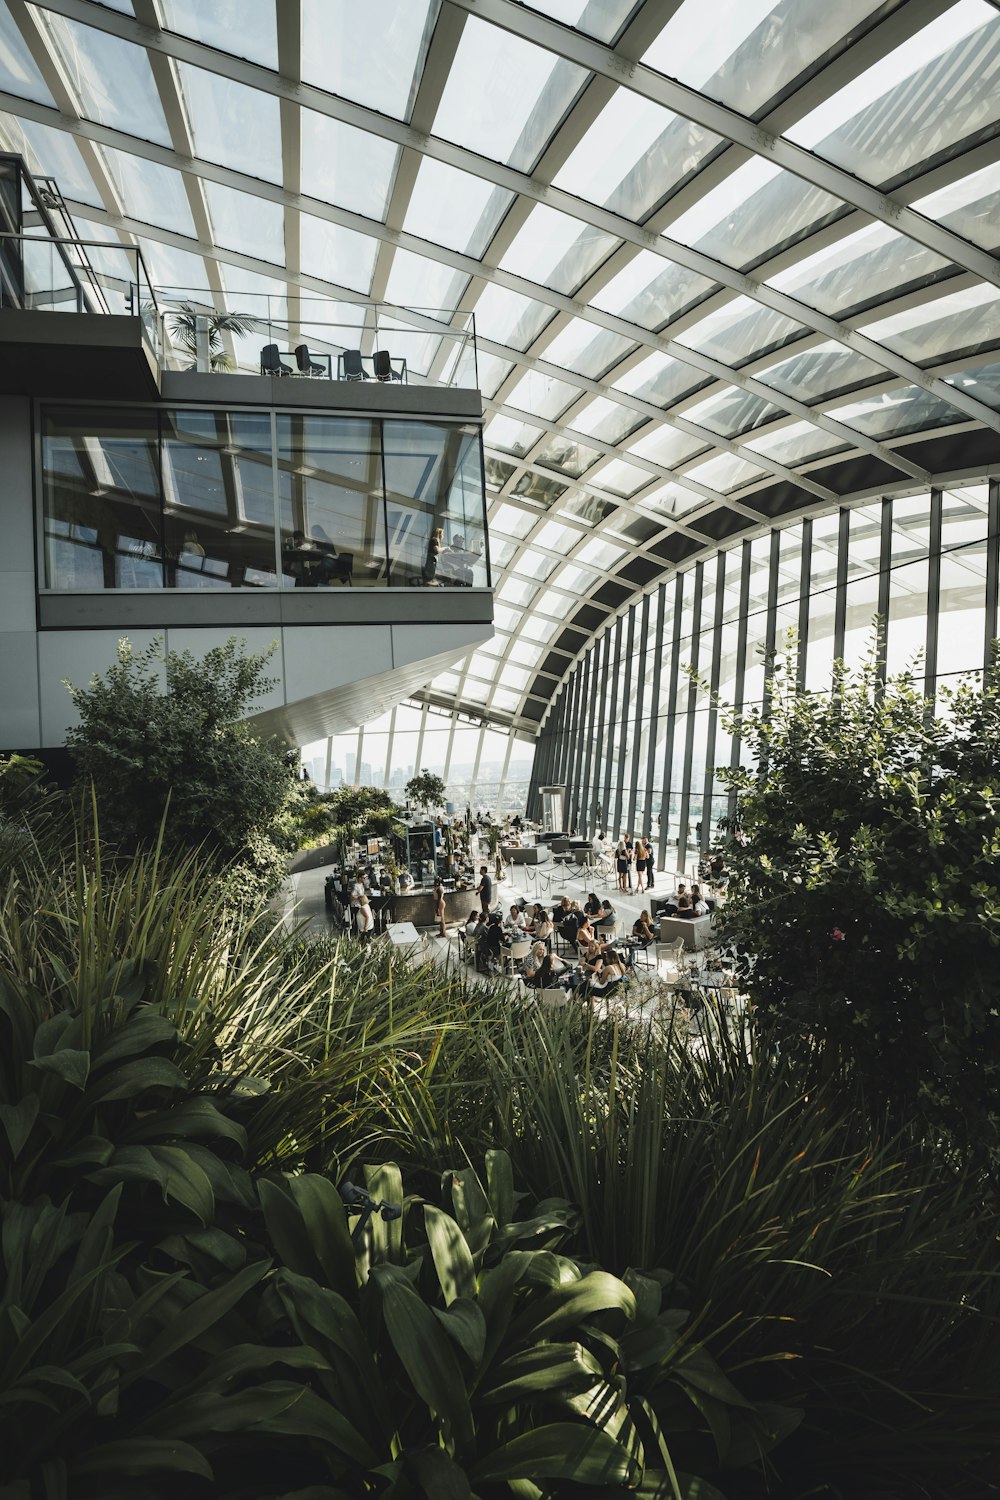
{"points": [[350, 366], [271, 362], [384, 367], [307, 365]]}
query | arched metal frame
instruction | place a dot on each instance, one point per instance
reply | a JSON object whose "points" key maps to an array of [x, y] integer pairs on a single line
{"points": [[926, 565], [603, 482]]}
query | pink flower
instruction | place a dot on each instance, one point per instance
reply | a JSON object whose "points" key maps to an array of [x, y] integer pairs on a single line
{"points": [[837, 935]]}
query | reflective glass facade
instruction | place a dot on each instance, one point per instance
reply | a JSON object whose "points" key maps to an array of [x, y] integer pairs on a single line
{"points": [[636, 734], [182, 498]]}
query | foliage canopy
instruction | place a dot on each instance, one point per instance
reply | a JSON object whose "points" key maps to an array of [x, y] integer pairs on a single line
{"points": [[162, 741], [865, 897], [425, 789]]}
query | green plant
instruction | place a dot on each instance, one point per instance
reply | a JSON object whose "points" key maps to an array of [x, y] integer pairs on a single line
{"points": [[425, 790], [179, 757], [864, 897], [184, 325]]}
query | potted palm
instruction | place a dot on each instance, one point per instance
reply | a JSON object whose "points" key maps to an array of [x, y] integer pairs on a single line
{"points": [[188, 327]]}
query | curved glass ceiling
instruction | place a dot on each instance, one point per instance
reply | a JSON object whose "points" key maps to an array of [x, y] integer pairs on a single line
{"points": [[720, 274]]}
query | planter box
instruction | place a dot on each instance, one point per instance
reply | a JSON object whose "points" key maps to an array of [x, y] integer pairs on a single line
{"points": [[696, 931]]}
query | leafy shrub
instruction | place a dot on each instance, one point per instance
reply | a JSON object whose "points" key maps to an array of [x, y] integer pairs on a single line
{"points": [[179, 763], [865, 898]]}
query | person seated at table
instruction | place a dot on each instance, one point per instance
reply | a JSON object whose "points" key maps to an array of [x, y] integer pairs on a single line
{"points": [[611, 964], [551, 971], [642, 930], [585, 933], [542, 927], [533, 963], [684, 908], [594, 906], [561, 912], [589, 958], [515, 923], [538, 914], [668, 908], [698, 903], [489, 945], [569, 927]]}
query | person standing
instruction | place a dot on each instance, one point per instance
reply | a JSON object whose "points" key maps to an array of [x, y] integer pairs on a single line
{"points": [[622, 865], [484, 890], [439, 908], [364, 921]]}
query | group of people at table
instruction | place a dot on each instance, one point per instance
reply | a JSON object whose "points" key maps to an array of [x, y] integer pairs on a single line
{"points": [[602, 960]]}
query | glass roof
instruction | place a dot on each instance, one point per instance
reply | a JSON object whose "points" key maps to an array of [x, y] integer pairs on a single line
{"points": [[675, 319]]}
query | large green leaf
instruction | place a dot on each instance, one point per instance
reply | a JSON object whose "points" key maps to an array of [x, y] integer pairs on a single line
{"points": [[438, 1476], [190, 1117], [201, 1315], [561, 1450], [70, 1064], [307, 1223], [548, 1367], [463, 1321], [566, 1306], [500, 1181], [18, 1120], [452, 1259], [424, 1350], [138, 1456]]}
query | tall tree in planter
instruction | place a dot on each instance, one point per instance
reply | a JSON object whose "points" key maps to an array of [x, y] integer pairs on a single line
{"points": [[865, 899], [425, 790], [172, 749]]}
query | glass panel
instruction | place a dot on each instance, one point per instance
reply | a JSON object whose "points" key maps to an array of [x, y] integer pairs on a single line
{"points": [[454, 208], [339, 255], [52, 153], [415, 281], [633, 155], [859, 270], [541, 395], [983, 384], [606, 420], [796, 443], [434, 504], [511, 436], [372, 53], [150, 192], [660, 379], [893, 413], [539, 489], [508, 519], [752, 49], [667, 446], [623, 478], [727, 471], [492, 372], [101, 500], [556, 250], [739, 331], [247, 28], [672, 499], [569, 457], [970, 206], [232, 124], [352, 168], [931, 92], [750, 215], [962, 620], [331, 505], [961, 323], [218, 493], [506, 317], [650, 291], [602, 19], [732, 412], [111, 78], [529, 92], [18, 70], [246, 223], [497, 472], [587, 350], [821, 371]]}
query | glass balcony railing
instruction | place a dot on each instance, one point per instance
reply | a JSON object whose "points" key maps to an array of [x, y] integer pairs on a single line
{"points": [[42, 274], [315, 338]]}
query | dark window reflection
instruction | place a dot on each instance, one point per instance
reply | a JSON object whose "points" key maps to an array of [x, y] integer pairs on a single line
{"points": [[331, 508], [101, 500], [218, 500], [434, 506]]}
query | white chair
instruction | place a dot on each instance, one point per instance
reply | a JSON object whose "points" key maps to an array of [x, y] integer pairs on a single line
{"points": [[517, 953], [669, 955], [554, 997]]}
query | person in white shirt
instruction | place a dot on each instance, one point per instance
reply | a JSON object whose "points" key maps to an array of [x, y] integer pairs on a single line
{"points": [[515, 923], [364, 922]]}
